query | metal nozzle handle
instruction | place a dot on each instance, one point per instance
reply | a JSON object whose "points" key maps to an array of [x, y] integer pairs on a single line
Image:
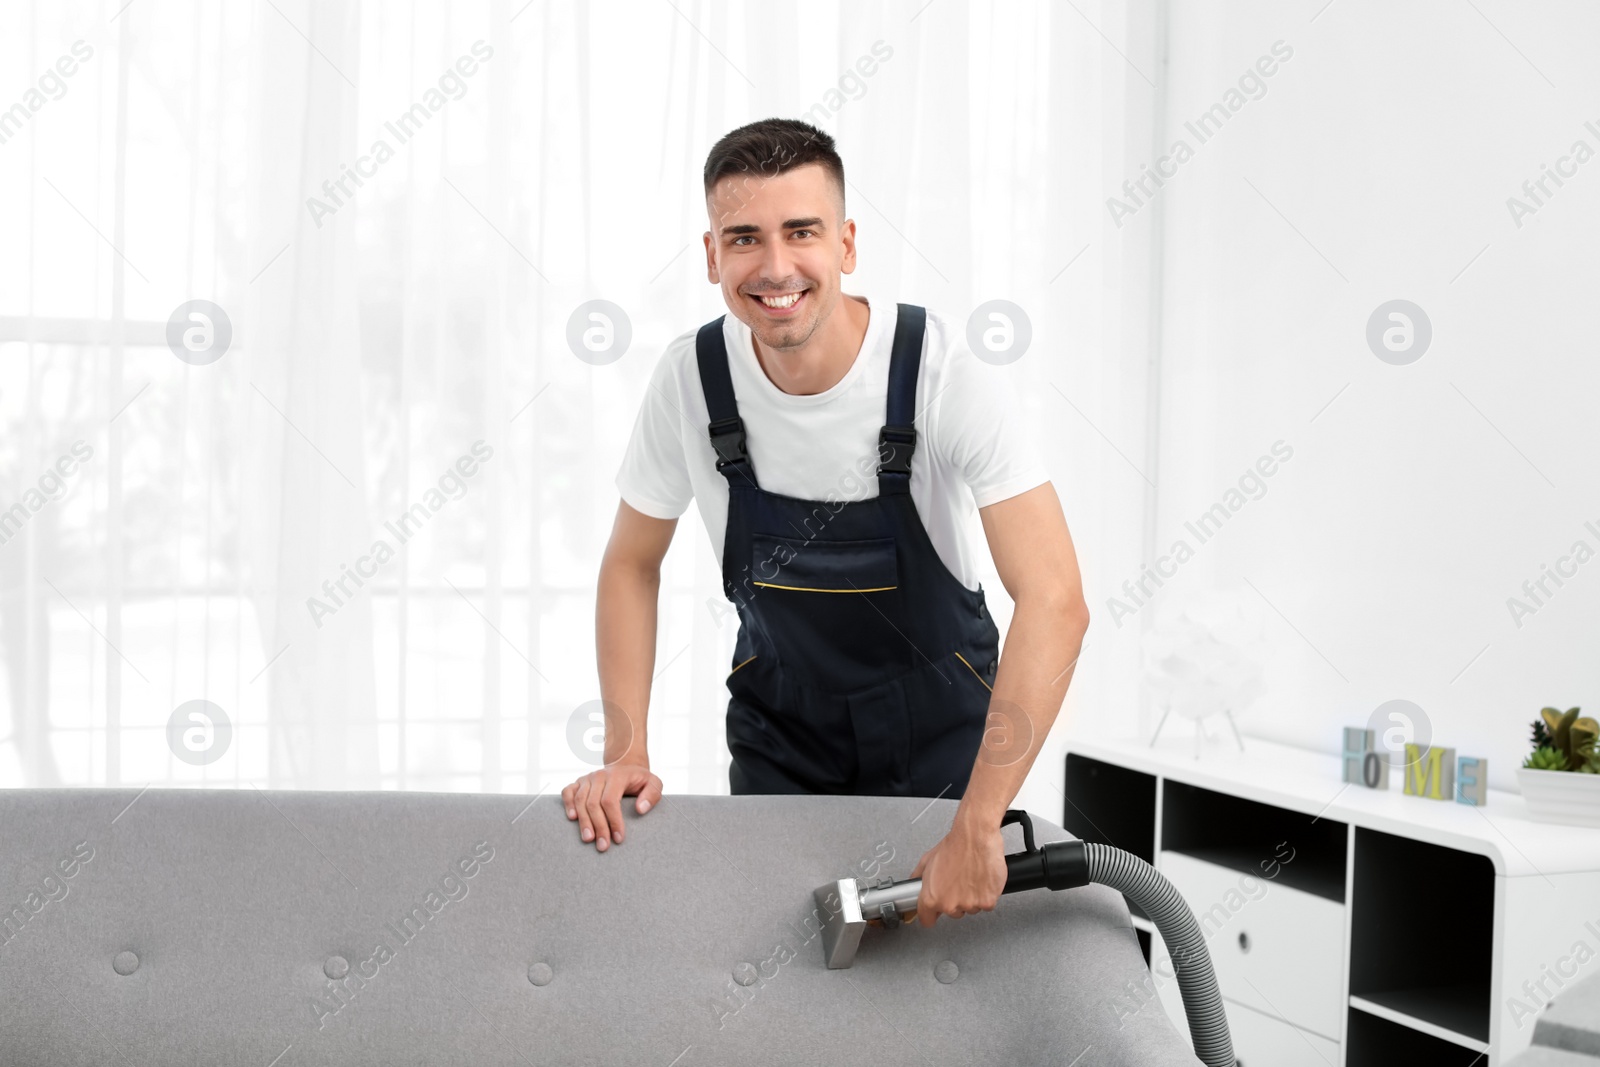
{"points": [[902, 895], [1057, 865]]}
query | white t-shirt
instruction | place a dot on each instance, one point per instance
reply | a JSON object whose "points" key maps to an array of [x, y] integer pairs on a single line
{"points": [[972, 447]]}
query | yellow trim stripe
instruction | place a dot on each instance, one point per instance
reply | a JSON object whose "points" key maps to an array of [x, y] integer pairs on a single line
{"points": [[731, 673], [974, 671], [810, 589]]}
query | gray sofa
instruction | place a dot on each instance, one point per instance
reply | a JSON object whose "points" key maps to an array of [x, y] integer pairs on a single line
{"points": [[283, 929], [1568, 1031]]}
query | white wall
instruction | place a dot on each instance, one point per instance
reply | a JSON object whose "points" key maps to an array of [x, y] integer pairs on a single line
{"points": [[1377, 166]]}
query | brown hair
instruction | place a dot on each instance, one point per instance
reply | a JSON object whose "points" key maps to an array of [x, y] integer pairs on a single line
{"points": [[771, 147]]}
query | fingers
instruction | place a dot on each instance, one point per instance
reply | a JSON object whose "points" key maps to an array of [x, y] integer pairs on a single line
{"points": [[611, 803], [592, 801], [595, 801], [930, 907], [927, 907], [928, 911], [580, 807], [649, 796]]}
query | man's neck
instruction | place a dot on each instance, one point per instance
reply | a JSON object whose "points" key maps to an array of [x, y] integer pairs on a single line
{"points": [[825, 358]]}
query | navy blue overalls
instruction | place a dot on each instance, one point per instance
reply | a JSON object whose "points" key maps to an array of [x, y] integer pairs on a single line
{"points": [[863, 666]]}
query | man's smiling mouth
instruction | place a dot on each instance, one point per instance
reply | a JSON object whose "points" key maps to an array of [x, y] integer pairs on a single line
{"points": [[782, 303]]}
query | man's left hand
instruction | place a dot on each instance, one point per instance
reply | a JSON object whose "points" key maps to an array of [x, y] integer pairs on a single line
{"points": [[964, 873]]}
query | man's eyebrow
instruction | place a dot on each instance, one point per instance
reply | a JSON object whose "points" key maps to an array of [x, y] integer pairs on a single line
{"points": [[813, 223]]}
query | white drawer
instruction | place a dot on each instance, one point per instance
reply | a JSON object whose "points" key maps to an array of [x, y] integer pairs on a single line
{"points": [[1262, 1041], [1258, 1040], [1275, 949]]}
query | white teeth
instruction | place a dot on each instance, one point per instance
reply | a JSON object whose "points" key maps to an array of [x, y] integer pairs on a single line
{"points": [[781, 301]]}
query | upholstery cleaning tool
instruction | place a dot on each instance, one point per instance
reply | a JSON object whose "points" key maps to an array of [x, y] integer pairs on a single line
{"points": [[852, 904]]}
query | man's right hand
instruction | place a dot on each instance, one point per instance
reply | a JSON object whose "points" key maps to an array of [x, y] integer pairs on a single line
{"points": [[595, 800]]}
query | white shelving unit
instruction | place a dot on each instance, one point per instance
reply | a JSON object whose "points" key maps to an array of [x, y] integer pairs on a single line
{"points": [[1348, 926]]}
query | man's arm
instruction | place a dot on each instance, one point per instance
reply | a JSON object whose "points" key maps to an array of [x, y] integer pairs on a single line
{"points": [[625, 628], [625, 643], [1033, 553], [966, 871]]}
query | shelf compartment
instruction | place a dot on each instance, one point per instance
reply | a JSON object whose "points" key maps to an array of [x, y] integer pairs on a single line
{"points": [[1422, 926], [1275, 844], [1110, 805], [1372, 1040], [1387, 1008]]}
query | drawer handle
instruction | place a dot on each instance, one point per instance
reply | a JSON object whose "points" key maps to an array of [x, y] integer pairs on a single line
{"points": [[1244, 942]]}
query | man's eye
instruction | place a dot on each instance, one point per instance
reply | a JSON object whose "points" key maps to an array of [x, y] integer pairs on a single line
{"points": [[799, 232]]}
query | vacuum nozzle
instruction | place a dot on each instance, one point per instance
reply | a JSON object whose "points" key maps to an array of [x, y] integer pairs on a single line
{"points": [[851, 904]]}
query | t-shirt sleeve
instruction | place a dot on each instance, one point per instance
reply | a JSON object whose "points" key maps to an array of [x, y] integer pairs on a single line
{"points": [[654, 476], [984, 431]]}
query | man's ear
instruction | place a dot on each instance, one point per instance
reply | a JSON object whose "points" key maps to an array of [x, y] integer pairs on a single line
{"points": [[711, 261], [847, 234]]}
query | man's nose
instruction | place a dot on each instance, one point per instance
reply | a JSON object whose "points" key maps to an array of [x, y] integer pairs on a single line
{"points": [[777, 265]]}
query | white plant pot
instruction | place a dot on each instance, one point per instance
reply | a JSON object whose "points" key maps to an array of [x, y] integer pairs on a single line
{"points": [[1561, 796]]}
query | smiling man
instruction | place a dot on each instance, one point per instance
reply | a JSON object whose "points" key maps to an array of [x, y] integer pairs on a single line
{"points": [[836, 445]]}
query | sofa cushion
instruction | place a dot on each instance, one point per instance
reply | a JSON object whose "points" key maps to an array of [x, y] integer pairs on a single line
{"points": [[1572, 1019], [252, 927]]}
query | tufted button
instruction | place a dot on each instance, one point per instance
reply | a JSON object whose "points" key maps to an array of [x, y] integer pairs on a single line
{"points": [[745, 974], [125, 963], [336, 967], [540, 974], [946, 972]]}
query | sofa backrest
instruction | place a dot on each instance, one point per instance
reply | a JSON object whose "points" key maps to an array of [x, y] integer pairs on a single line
{"points": [[276, 929]]}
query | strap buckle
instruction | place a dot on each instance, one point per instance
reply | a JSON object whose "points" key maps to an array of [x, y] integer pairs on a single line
{"points": [[895, 445], [727, 437]]}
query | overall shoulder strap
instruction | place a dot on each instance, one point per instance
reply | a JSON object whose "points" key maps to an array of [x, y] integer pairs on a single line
{"points": [[898, 438], [726, 430]]}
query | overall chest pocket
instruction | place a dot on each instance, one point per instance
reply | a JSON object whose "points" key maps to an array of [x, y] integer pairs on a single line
{"points": [[823, 566]]}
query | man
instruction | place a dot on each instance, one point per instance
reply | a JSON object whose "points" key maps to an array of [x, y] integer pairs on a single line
{"points": [[835, 445]]}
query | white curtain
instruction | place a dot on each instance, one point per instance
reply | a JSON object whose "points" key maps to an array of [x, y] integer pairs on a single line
{"points": [[369, 532]]}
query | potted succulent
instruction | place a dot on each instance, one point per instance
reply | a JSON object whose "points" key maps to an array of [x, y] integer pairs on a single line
{"points": [[1560, 779]]}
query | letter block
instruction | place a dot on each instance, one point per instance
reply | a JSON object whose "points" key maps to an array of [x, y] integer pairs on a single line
{"points": [[1430, 772], [1472, 781], [1357, 743], [1364, 764]]}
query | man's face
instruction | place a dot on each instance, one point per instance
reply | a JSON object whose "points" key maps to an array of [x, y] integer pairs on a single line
{"points": [[777, 246]]}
